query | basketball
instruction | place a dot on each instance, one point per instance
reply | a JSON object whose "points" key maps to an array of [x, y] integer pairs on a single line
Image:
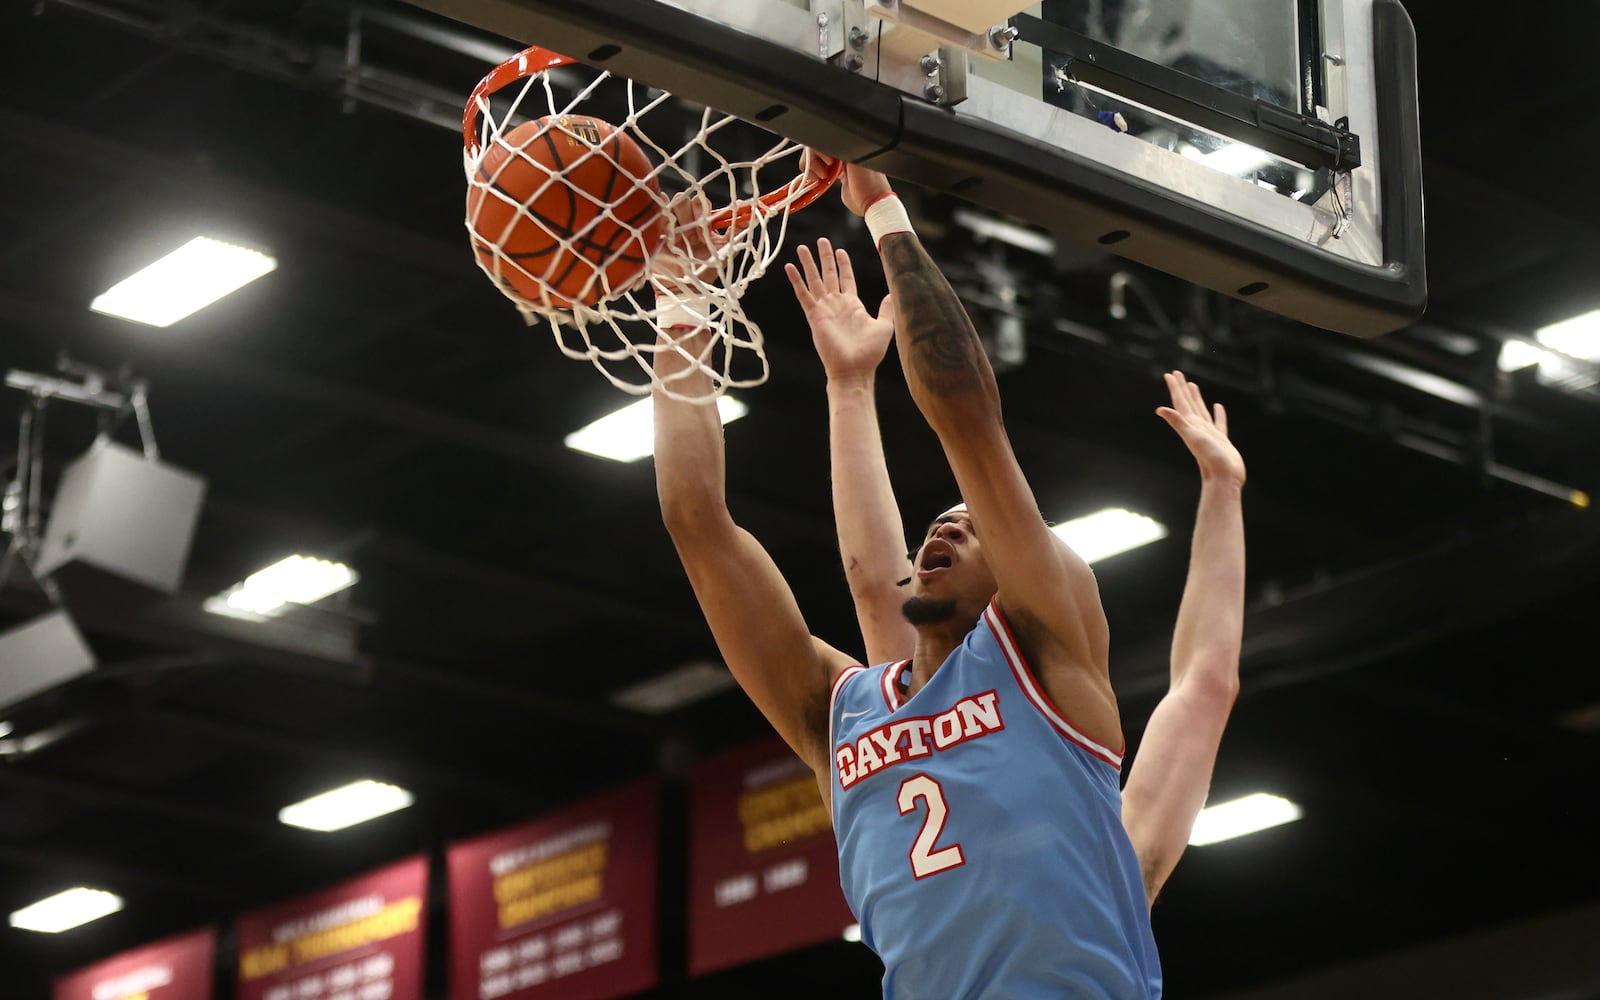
{"points": [[570, 201]]}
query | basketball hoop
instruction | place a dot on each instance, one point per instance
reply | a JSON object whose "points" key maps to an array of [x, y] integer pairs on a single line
{"points": [[592, 292]]}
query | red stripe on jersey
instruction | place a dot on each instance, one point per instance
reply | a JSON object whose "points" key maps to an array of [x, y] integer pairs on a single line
{"points": [[838, 684], [890, 685], [1035, 692]]}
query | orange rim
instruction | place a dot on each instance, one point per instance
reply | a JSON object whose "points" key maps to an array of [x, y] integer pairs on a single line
{"points": [[801, 191], [804, 190], [528, 62]]}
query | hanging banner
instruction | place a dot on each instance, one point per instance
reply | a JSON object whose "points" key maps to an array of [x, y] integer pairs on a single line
{"points": [[563, 907], [763, 869], [177, 968], [362, 940]]}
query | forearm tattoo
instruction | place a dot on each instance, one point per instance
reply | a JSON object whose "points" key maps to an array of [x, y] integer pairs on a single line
{"points": [[944, 348]]}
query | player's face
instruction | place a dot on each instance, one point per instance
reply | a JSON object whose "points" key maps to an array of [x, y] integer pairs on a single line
{"points": [[949, 564]]}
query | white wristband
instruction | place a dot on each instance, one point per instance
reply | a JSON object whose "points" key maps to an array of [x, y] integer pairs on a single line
{"points": [[885, 216], [674, 310]]}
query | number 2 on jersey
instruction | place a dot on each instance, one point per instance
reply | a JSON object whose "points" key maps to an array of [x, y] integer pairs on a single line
{"points": [[925, 860]]}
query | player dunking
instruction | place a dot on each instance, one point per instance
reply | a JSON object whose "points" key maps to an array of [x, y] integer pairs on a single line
{"points": [[974, 787], [1168, 781]]}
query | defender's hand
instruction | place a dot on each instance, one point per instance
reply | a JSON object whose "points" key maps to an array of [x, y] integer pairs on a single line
{"points": [[850, 341], [1205, 434]]}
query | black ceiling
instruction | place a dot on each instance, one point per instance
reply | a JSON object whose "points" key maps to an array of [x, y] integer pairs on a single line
{"points": [[1421, 618]]}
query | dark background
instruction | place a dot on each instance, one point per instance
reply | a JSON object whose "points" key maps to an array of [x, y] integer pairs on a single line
{"points": [[1419, 666]]}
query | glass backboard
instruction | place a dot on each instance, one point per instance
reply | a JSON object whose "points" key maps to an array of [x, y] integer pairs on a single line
{"points": [[1266, 149]]}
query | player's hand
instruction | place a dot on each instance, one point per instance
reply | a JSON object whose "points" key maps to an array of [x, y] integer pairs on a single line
{"points": [[691, 248], [817, 165], [850, 341], [1205, 433], [860, 187]]}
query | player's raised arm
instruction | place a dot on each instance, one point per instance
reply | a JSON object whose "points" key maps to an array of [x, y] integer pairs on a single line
{"points": [[1046, 591], [851, 343], [751, 610], [1171, 775]]}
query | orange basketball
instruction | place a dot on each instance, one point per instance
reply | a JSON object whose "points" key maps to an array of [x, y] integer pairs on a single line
{"points": [[573, 205]]}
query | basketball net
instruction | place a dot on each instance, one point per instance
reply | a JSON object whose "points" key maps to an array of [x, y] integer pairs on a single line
{"points": [[624, 328]]}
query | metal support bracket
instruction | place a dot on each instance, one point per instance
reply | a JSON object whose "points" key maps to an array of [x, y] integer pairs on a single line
{"points": [[902, 57], [991, 42]]}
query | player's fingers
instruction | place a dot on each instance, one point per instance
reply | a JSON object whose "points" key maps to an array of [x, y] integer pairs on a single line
{"points": [[1174, 382], [886, 308], [1221, 419], [847, 271], [817, 163], [1173, 418], [827, 265], [1197, 399], [801, 292], [808, 267]]}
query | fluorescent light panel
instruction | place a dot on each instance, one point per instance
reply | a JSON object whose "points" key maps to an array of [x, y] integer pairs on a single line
{"points": [[66, 910], [1516, 355], [185, 281], [628, 434], [346, 806], [1006, 232], [1109, 532], [1227, 820], [1578, 337], [674, 689], [293, 580]]}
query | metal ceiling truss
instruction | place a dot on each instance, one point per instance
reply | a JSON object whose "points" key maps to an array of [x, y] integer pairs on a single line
{"points": [[1286, 366]]}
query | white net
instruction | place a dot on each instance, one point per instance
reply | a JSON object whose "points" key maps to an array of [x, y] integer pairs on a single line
{"points": [[570, 210]]}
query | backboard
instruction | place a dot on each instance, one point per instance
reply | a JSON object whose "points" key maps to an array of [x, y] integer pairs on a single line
{"points": [[1266, 149]]}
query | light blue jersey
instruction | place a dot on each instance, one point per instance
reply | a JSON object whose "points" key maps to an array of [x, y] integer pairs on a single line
{"points": [[980, 835]]}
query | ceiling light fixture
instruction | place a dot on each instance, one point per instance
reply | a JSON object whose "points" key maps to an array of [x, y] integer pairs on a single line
{"points": [[346, 806], [183, 282], [293, 580], [689, 683], [1109, 532], [1578, 337], [1238, 817], [66, 910], [1018, 236], [628, 434]]}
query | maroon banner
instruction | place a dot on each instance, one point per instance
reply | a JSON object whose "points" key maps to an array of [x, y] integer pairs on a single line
{"points": [[361, 940], [763, 869], [178, 968], [562, 907]]}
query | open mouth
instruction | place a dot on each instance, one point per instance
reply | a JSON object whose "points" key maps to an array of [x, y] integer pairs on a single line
{"points": [[936, 556]]}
